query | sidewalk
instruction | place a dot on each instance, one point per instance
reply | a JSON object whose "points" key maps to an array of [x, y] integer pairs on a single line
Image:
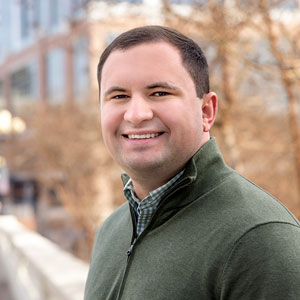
{"points": [[4, 289], [36, 267]]}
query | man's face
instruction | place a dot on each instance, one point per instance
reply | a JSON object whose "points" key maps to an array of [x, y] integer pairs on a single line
{"points": [[150, 114]]}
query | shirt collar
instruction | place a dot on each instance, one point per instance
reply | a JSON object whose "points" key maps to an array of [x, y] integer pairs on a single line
{"points": [[154, 196]]}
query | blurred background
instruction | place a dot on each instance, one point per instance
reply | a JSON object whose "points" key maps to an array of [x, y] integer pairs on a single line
{"points": [[56, 177]]}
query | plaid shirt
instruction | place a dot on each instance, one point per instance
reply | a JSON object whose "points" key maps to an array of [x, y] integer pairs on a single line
{"points": [[144, 209]]}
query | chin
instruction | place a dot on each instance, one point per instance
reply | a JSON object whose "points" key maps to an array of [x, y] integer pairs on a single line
{"points": [[142, 166]]}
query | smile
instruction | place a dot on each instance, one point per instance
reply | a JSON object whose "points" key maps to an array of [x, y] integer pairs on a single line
{"points": [[142, 136]]}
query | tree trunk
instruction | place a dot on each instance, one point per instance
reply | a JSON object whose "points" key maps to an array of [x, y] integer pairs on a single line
{"points": [[228, 112], [287, 84]]}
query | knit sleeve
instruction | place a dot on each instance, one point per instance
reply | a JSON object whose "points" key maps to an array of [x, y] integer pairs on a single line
{"points": [[264, 264]]}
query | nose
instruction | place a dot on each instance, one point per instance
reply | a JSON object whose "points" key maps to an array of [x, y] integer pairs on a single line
{"points": [[138, 110]]}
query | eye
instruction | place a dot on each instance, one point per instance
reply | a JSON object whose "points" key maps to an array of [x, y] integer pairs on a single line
{"points": [[160, 94], [121, 96]]}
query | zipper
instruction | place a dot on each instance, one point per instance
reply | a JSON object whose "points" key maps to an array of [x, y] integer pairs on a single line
{"points": [[183, 184], [134, 237], [129, 251]]}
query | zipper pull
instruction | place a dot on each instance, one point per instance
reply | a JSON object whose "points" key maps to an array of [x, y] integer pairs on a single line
{"points": [[129, 251]]}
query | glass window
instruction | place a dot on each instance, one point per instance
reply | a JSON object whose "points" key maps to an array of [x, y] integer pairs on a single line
{"points": [[81, 69], [129, 1], [287, 4], [78, 9], [21, 82], [133, 1], [54, 13], [23, 85], [202, 2], [55, 75], [24, 14], [75, 4], [36, 13], [2, 101]]}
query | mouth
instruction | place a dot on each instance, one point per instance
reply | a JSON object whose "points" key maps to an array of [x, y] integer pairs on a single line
{"points": [[142, 136]]}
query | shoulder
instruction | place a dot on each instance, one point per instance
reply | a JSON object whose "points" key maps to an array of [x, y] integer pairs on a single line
{"points": [[240, 198], [264, 263], [272, 239]]}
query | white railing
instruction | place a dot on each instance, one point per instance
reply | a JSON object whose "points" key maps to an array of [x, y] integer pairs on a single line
{"points": [[37, 269]]}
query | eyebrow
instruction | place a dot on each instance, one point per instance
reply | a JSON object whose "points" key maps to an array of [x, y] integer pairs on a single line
{"points": [[155, 85], [162, 85], [114, 89]]}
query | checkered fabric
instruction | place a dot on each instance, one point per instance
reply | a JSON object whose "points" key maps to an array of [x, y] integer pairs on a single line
{"points": [[144, 209]]}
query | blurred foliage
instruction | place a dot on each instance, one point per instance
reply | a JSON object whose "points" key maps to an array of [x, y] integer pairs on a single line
{"points": [[63, 150], [253, 53], [253, 56]]}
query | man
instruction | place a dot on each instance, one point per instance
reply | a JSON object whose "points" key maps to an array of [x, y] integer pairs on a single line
{"points": [[192, 227]]}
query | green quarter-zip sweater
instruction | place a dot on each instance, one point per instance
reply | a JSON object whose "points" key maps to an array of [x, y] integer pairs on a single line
{"points": [[214, 235]]}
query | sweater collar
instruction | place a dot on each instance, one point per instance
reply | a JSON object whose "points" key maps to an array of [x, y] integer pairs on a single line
{"points": [[203, 172], [206, 168], [205, 163]]}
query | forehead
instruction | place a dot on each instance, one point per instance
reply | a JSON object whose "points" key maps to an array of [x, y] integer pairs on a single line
{"points": [[147, 57], [149, 49], [147, 46]]}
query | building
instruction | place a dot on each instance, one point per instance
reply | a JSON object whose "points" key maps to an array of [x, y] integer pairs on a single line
{"points": [[49, 51], [49, 48], [43, 52]]}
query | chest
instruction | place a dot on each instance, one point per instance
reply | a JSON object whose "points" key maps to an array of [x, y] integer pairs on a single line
{"points": [[180, 259]]}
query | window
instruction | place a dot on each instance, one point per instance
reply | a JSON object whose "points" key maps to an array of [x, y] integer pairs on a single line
{"points": [[78, 9], [24, 14], [54, 13], [129, 1], [55, 75], [23, 85], [21, 82], [201, 2], [81, 69], [36, 13], [2, 101]]}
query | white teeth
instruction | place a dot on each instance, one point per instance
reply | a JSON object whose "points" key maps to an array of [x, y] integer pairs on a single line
{"points": [[143, 136]]}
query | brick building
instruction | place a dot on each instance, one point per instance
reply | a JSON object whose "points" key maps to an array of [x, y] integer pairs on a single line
{"points": [[49, 48]]}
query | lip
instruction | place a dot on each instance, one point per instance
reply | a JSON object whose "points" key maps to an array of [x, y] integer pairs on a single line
{"points": [[142, 141], [140, 132]]}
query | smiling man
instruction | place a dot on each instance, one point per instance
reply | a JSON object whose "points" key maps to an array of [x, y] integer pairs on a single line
{"points": [[192, 228], [151, 114]]}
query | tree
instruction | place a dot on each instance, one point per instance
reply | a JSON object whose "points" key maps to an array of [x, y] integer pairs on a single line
{"points": [[284, 47], [215, 21], [63, 149], [243, 69]]}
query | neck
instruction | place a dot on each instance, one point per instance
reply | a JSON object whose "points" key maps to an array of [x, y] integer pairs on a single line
{"points": [[144, 183], [143, 189]]}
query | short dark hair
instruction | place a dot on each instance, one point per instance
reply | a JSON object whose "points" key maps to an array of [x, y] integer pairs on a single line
{"points": [[193, 57]]}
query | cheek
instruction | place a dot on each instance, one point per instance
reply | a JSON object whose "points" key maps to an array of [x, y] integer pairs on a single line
{"points": [[110, 120], [181, 120], [107, 124], [188, 125]]}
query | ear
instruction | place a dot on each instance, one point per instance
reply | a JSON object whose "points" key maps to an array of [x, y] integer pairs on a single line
{"points": [[209, 110]]}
